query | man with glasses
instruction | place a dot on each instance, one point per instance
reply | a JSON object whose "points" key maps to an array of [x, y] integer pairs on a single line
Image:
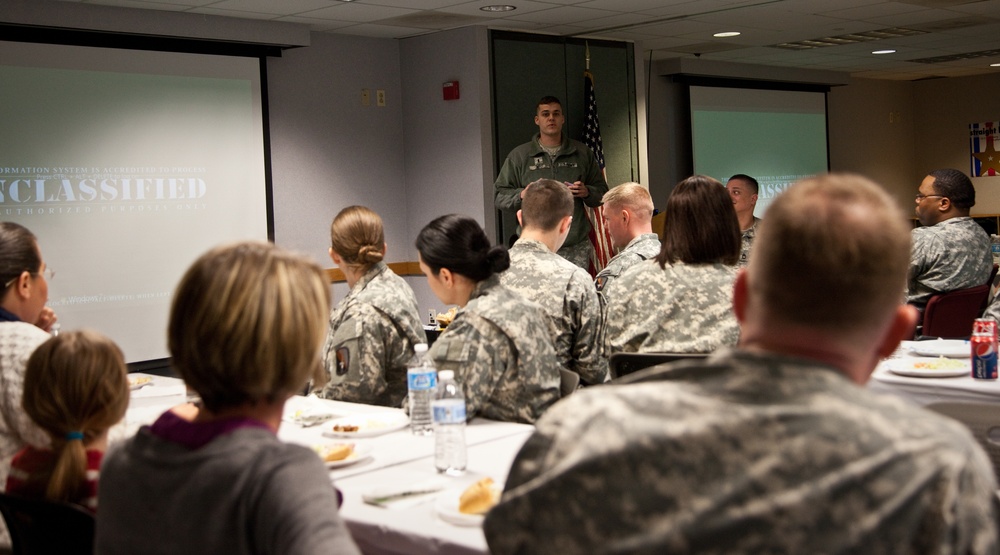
{"points": [[950, 250]]}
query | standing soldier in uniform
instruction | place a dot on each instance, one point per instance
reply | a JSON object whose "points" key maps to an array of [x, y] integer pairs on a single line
{"points": [[553, 155]]}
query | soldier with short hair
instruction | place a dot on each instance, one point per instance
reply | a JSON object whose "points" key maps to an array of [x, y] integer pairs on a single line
{"points": [[628, 213], [564, 290]]}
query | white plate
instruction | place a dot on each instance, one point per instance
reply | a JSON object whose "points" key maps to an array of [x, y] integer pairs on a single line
{"points": [[369, 425], [954, 348], [446, 507], [912, 367], [361, 452]]}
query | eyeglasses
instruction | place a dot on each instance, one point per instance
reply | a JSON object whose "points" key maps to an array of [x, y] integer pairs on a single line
{"points": [[49, 273], [921, 196]]}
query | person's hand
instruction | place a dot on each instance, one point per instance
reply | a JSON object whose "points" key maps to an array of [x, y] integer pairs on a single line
{"points": [[578, 189], [46, 319], [525, 189]]}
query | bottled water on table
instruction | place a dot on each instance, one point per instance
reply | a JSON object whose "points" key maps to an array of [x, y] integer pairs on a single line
{"points": [[421, 381], [449, 425]]}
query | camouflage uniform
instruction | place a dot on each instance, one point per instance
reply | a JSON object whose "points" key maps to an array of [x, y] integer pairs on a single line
{"points": [[643, 247], [567, 296], [953, 254], [574, 162], [744, 453], [746, 241], [499, 347], [683, 308], [371, 338]]}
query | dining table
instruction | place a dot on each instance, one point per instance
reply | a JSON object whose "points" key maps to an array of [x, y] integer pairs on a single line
{"points": [[909, 373], [388, 464]]}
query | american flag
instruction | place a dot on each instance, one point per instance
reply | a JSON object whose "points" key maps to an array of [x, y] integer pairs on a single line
{"points": [[599, 236]]}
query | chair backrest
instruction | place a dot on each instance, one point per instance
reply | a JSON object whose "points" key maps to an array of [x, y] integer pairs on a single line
{"points": [[950, 314], [569, 381], [982, 419], [623, 364], [42, 526]]}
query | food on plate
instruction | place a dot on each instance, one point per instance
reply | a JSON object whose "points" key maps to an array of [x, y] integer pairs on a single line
{"points": [[338, 452], [479, 498], [345, 428], [444, 319], [139, 381], [940, 364]]}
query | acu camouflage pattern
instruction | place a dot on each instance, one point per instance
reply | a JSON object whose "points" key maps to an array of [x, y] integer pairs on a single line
{"points": [[744, 453], [643, 247], [567, 296], [499, 347], [746, 241], [682, 308], [370, 340], [953, 254]]}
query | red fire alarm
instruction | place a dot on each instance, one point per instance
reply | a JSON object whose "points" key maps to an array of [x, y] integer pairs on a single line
{"points": [[450, 90]]}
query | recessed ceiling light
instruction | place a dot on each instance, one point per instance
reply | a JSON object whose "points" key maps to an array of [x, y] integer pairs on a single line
{"points": [[883, 52], [727, 34], [499, 8], [994, 65]]}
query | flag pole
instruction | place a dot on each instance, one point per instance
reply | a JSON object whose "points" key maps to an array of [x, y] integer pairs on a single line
{"points": [[587, 51]]}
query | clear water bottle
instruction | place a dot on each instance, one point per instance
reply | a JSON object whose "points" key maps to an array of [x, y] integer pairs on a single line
{"points": [[421, 381], [449, 426]]}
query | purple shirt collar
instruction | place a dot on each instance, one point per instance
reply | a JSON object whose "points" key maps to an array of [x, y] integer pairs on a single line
{"points": [[195, 435]]}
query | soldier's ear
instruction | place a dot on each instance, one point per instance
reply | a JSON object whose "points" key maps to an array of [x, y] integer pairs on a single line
{"points": [[519, 222], [447, 277]]}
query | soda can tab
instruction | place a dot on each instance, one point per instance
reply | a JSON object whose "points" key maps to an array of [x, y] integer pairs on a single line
{"points": [[983, 346]]}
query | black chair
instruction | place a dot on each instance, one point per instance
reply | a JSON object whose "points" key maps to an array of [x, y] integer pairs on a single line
{"points": [[568, 381], [39, 526], [623, 364]]}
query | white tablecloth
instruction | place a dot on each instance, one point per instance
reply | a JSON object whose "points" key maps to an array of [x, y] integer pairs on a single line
{"points": [[925, 391], [397, 458]]}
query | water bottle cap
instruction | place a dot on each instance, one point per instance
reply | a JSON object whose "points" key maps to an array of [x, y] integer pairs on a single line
{"points": [[446, 374], [420, 348]]}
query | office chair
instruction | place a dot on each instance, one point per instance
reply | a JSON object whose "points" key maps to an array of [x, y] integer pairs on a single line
{"points": [[40, 526], [950, 314], [623, 364]]}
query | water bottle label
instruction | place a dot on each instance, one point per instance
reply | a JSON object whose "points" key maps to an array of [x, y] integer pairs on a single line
{"points": [[421, 380], [448, 412]]}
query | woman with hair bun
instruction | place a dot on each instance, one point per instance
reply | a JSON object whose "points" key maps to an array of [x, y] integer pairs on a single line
{"points": [[374, 328], [498, 343]]}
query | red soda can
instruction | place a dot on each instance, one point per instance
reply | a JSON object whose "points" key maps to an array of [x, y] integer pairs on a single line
{"points": [[983, 344]]}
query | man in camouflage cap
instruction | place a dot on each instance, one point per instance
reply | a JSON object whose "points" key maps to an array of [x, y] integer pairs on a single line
{"points": [[563, 289], [775, 446], [628, 211], [950, 250]]}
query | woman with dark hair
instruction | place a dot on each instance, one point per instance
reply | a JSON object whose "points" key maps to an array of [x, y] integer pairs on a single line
{"points": [[374, 328], [498, 344], [24, 325], [682, 300]]}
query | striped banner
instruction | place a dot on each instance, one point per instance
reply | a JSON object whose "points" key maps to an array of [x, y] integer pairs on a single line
{"points": [[600, 238]]}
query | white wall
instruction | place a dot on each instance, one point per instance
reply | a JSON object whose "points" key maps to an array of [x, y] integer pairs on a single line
{"points": [[447, 145]]}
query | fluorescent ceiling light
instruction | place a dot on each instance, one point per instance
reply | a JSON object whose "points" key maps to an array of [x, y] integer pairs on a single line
{"points": [[727, 34], [498, 8], [883, 52]]}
